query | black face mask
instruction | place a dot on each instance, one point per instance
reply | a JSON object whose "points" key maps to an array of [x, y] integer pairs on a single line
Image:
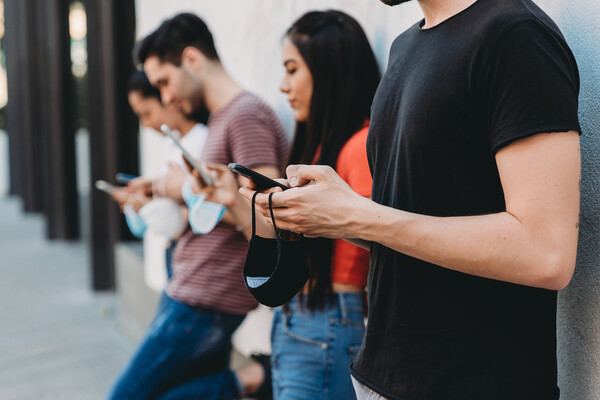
{"points": [[275, 269]]}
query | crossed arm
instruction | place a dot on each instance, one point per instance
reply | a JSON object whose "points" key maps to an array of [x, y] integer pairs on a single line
{"points": [[533, 243]]}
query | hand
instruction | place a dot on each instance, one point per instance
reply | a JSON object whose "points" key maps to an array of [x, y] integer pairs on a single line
{"points": [[320, 203], [226, 188], [138, 200], [169, 185], [200, 184], [120, 196], [140, 184]]}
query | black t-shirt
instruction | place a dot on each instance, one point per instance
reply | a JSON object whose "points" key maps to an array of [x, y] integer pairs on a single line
{"points": [[451, 97]]}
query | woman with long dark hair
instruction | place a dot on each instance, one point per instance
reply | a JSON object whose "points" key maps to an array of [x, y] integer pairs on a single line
{"points": [[330, 80], [331, 76]]}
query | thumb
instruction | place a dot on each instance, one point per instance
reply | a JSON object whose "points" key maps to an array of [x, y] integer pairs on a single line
{"points": [[220, 168]]}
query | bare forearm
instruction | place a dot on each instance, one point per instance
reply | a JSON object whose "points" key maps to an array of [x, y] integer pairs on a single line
{"points": [[495, 246], [241, 216]]}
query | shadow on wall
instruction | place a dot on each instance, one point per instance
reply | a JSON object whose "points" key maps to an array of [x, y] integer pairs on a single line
{"points": [[4, 164], [579, 305]]}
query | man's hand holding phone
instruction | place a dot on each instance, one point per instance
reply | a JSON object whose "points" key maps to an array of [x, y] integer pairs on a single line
{"points": [[223, 187], [320, 203]]}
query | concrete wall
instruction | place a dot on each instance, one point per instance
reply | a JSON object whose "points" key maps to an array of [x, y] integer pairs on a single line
{"points": [[248, 36], [579, 304], [4, 164]]}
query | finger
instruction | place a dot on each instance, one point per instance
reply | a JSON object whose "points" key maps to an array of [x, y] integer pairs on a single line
{"points": [[310, 173], [292, 174], [198, 178], [302, 174], [217, 167], [187, 164], [250, 184], [282, 222], [247, 193], [132, 186], [137, 184], [277, 200], [283, 181]]}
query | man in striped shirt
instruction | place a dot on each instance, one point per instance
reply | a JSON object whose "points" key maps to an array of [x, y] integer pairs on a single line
{"points": [[188, 345]]}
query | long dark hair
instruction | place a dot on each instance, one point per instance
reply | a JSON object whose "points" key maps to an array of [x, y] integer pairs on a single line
{"points": [[345, 77]]}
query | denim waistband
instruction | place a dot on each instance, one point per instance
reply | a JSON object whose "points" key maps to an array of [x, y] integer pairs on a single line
{"points": [[344, 301]]}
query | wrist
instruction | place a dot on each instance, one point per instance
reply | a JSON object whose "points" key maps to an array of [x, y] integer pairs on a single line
{"points": [[365, 217], [240, 211]]}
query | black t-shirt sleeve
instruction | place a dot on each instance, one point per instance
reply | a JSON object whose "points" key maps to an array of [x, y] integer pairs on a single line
{"points": [[531, 85]]}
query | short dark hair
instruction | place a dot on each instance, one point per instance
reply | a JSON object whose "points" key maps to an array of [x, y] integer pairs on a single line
{"points": [[174, 35], [138, 82]]}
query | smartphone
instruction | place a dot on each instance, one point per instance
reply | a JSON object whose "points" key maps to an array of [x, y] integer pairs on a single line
{"points": [[106, 187], [206, 178], [124, 179], [262, 182]]}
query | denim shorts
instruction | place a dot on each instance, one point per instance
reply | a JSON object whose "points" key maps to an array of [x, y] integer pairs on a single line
{"points": [[312, 351]]}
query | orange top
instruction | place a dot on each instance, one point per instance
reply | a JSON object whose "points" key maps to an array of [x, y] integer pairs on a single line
{"points": [[350, 263]]}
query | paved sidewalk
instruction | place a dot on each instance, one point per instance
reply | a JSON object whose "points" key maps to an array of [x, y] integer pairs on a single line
{"points": [[58, 340]]}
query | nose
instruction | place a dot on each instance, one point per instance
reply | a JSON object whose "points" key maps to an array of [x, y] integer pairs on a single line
{"points": [[284, 85], [166, 97]]}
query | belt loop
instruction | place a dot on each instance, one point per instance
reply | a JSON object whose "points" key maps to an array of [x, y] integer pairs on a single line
{"points": [[343, 308]]}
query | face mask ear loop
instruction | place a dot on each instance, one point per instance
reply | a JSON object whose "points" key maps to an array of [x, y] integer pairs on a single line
{"points": [[272, 217], [254, 214]]}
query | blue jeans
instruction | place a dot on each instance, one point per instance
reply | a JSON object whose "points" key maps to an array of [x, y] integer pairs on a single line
{"points": [[184, 355], [312, 351], [169, 258]]}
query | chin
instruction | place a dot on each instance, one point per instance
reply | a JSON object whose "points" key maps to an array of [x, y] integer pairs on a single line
{"points": [[185, 110], [394, 2], [301, 116]]}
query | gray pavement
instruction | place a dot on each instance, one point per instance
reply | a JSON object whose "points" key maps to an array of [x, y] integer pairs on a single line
{"points": [[58, 340]]}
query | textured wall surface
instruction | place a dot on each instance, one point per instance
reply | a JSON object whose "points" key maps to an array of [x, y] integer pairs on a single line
{"points": [[579, 304], [248, 36]]}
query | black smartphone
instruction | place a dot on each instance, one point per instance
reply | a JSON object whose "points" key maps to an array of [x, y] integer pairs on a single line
{"points": [[262, 182]]}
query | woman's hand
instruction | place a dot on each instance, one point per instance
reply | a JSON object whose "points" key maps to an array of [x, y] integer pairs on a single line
{"points": [[120, 196], [138, 200]]}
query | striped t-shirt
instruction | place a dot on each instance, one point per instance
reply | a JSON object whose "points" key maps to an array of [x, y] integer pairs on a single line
{"points": [[207, 269]]}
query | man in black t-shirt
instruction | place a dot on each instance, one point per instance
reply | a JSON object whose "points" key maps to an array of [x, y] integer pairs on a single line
{"points": [[473, 224]]}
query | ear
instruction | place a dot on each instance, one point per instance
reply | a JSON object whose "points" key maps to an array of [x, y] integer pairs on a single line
{"points": [[193, 58]]}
